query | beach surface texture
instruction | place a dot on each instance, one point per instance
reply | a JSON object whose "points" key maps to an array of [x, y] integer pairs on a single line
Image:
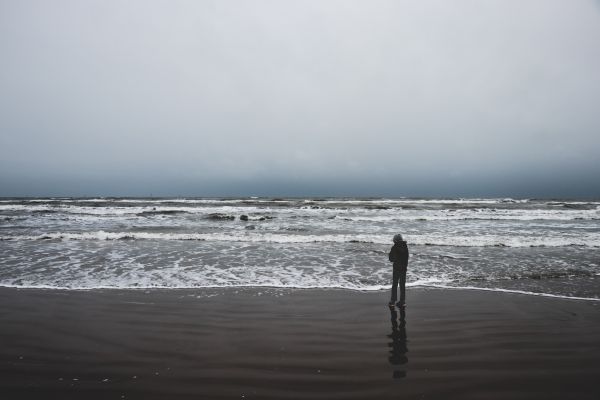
{"points": [[295, 344]]}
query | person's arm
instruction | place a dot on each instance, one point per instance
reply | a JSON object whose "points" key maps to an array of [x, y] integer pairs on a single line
{"points": [[392, 255]]}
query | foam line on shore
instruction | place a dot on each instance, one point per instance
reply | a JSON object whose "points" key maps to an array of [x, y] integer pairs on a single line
{"points": [[379, 288], [514, 291]]}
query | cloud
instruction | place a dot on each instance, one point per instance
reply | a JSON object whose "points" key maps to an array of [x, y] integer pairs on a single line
{"points": [[198, 97]]}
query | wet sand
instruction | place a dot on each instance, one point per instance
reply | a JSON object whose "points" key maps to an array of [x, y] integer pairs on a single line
{"points": [[295, 344]]}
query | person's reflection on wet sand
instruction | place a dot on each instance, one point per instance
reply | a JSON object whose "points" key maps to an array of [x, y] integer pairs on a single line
{"points": [[398, 347]]}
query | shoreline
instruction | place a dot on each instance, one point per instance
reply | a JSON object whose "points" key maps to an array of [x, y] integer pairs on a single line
{"points": [[295, 288], [296, 344]]}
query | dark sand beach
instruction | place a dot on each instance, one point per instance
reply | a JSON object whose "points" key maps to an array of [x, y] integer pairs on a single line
{"points": [[295, 344]]}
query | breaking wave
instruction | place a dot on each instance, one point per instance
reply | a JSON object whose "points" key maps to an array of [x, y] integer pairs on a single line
{"points": [[591, 240]]}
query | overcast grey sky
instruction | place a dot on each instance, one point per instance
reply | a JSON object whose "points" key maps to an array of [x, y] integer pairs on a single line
{"points": [[435, 98]]}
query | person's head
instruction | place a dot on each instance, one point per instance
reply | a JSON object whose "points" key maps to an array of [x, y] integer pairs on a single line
{"points": [[398, 238]]}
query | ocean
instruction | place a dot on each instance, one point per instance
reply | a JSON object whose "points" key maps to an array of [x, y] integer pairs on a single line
{"points": [[529, 246]]}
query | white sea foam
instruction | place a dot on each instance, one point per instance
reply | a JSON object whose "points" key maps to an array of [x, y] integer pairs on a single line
{"points": [[472, 214], [133, 211], [587, 240], [341, 214], [188, 267], [524, 292], [371, 288]]}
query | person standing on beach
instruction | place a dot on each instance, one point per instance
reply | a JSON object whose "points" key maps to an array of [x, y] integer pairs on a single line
{"points": [[399, 256]]}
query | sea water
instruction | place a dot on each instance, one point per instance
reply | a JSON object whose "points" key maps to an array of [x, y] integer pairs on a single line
{"points": [[537, 247]]}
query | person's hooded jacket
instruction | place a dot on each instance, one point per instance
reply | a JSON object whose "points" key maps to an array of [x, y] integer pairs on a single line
{"points": [[399, 254]]}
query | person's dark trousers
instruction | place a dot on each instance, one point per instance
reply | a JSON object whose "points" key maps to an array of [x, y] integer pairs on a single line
{"points": [[399, 278]]}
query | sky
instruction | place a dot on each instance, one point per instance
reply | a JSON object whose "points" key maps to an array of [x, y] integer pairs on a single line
{"points": [[300, 98]]}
